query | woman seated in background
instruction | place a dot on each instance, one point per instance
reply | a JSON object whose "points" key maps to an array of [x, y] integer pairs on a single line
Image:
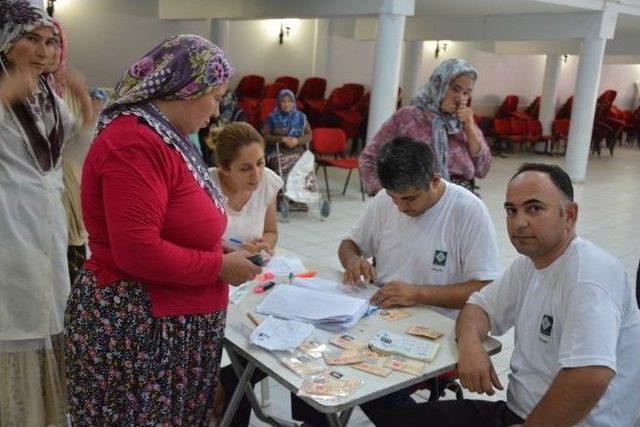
{"points": [[250, 189], [289, 129]]}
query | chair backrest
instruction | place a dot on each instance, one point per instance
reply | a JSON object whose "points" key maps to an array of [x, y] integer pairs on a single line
{"points": [[561, 128], [266, 106], [340, 99], [509, 105], [329, 141], [533, 110], [272, 90], [362, 107], [534, 127], [502, 126], [357, 91], [608, 96], [313, 88], [565, 110], [250, 86], [518, 127], [289, 82]]}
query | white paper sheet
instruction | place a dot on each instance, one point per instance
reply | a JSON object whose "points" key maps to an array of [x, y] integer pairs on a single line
{"points": [[285, 264], [278, 334]]}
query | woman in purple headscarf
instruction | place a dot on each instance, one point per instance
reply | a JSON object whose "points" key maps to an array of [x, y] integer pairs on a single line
{"points": [[145, 319], [35, 127]]}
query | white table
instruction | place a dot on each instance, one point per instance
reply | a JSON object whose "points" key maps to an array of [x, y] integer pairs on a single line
{"points": [[338, 412]]}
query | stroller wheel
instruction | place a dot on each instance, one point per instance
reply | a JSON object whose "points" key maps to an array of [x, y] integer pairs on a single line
{"points": [[325, 209]]}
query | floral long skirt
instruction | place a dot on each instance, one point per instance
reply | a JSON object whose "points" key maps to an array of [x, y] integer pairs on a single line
{"points": [[125, 367]]}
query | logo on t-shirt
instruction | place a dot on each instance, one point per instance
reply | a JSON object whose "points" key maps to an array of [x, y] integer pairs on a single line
{"points": [[440, 258], [546, 325]]}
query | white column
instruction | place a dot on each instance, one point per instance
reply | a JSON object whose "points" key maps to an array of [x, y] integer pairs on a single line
{"points": [[386, 70], [320, 48], [584, 107], [220, 33], [550, 92], [412, 68]]}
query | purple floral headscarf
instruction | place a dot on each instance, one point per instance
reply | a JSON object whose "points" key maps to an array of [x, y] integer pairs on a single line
{"points": [[182, 67], [18, 17]]}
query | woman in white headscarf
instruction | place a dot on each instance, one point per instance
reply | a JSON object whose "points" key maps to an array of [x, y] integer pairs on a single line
{"points": [[34, 126], [440, 117]]}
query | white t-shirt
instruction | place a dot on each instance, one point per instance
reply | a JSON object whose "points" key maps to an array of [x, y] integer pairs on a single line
{"points": [[452, 242], [248, 223], [579, 311]]}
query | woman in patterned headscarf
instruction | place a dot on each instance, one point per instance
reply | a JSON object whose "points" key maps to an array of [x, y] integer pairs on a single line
{"points": [[440, 117], [35, 125], [146, 315], [288, 128]]}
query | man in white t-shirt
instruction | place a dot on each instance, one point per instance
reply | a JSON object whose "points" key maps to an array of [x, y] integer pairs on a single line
{"points": [[433, 241], [577, 325]]}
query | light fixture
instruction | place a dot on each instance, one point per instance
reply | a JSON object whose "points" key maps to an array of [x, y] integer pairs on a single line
{"points": [[565, 58], [284, 32], [441, 45], [50, 7]]}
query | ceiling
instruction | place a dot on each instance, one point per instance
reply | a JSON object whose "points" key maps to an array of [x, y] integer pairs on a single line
{"points": [[487, 7]]}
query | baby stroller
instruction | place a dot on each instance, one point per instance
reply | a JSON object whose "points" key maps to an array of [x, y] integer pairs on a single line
{"points": [[301, 185]]}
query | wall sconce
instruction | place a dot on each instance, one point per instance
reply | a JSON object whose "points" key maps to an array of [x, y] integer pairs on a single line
{"points": [[284, 32], [441, 45], [565, 58], [50, 7]]}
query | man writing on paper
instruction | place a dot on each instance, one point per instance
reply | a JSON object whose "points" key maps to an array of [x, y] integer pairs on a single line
{"points": [[576, 321], [436, 246]]}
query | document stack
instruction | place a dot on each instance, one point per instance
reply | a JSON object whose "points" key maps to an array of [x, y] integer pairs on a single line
{"points": [[326, 310]]}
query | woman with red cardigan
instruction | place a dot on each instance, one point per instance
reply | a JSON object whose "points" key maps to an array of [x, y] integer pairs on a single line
{"points": [[146, 315]]}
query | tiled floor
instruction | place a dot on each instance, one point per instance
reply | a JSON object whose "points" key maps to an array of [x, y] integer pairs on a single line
{"points": [[609, 216]]}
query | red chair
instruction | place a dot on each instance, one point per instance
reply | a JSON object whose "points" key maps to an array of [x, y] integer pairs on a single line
{"points": [[509, 105], [565, 111], [265, 108], [289, 82], [559, 133], [533, 110], [518, 133], [248, 92], [534, 134], [312, 93], [333, 142], [272, 90], [340, 99], [250, 87], [357, 91]]}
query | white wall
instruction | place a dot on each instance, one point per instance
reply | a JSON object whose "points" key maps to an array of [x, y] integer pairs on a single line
{"points": [[106, 37], [254, 48]]}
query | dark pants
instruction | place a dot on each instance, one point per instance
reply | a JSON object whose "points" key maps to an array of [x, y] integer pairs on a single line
{"points": [[399, 400], [449, 413]]}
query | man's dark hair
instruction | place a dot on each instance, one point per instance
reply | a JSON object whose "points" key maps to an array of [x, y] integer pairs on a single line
{"points": [[405, 163], [558, 176]]}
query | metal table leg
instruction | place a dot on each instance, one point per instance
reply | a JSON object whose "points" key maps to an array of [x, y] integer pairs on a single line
{"points": [[244, 387]]}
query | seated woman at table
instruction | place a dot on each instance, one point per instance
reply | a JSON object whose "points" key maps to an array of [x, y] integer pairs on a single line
{"points": [[249, 187]]}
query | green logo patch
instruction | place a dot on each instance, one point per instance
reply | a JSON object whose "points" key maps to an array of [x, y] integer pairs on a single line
{"points": [[440, 258], [546, 325]]}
